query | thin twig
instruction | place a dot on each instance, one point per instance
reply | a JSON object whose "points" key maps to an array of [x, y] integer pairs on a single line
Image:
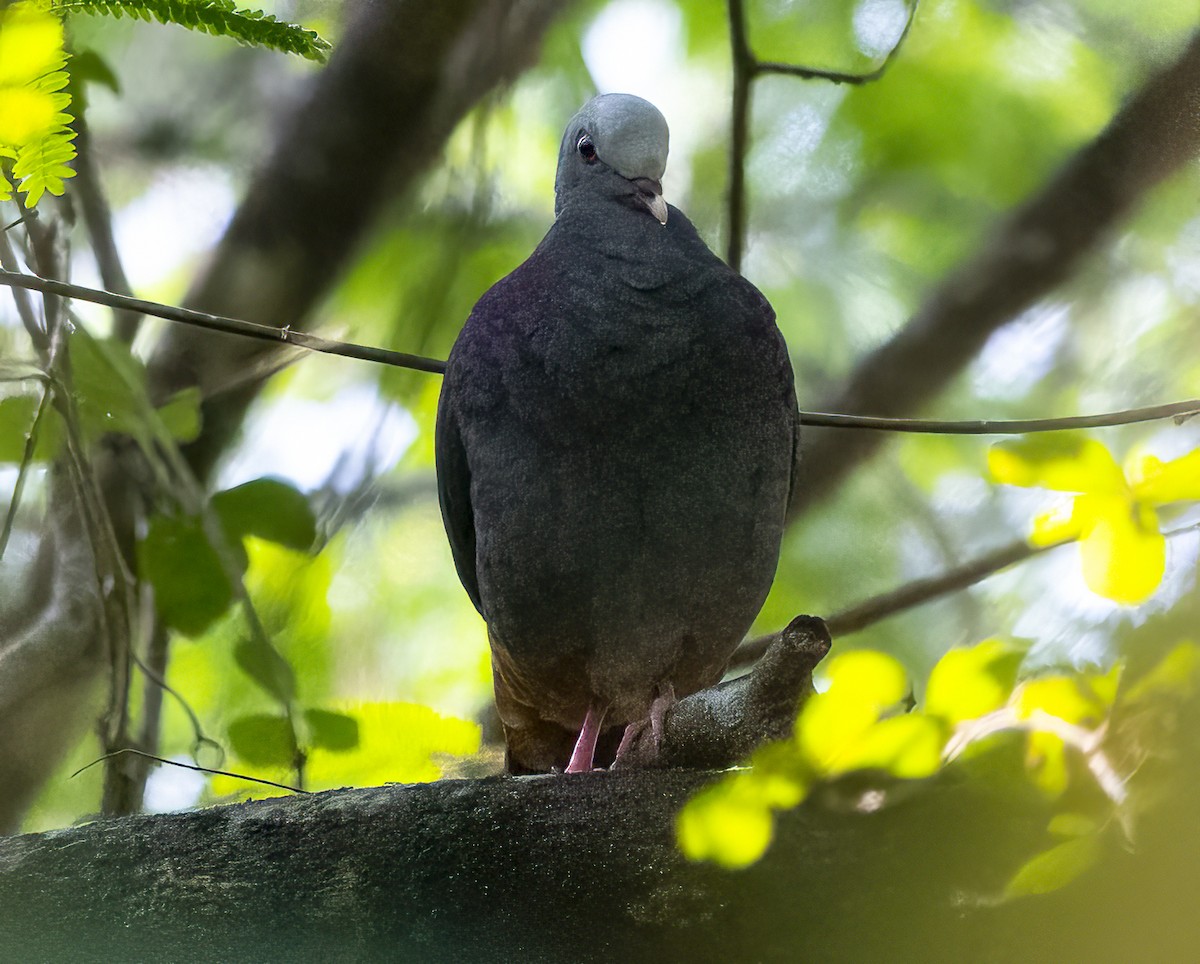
{"points": [[161, 683], [918, 592], [233, 326], [154, 685], [383, 356], [8, 262], [871, 611], [908, 596], [1018, 426], [187, 766], [838, 76], [746, 69], [31, 441]]}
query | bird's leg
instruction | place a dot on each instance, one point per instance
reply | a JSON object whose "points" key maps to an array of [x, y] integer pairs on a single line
{"points": [[585, 746], [663, 701], [658, 710]]}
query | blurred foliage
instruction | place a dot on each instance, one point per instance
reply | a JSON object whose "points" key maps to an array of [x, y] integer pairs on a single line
{"points": [[856, 736], [318, 629]]}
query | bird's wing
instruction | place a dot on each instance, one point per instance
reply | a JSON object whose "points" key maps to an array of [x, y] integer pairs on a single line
{"points": [[454, 495]]}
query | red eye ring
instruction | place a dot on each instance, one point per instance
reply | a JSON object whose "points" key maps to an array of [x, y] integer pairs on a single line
{"points": [[587, 150]]}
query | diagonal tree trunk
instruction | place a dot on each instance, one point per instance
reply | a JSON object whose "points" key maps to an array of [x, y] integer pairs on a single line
{"points": [[1031, 253], [398, 84]]}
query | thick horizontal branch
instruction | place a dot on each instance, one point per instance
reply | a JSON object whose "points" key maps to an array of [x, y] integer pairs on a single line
{"points": [[585, 867], [399, 359]]}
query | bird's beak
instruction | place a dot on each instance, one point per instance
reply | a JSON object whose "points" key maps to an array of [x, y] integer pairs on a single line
{"points": [[650, 195]]}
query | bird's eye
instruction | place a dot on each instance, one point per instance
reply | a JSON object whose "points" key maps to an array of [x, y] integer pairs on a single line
{"points": [[587, 150]]}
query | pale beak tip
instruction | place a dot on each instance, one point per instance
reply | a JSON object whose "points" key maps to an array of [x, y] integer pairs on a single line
{"points": [[658, 207]]}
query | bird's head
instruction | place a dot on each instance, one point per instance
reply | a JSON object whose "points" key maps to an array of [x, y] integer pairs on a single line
{"points": [[615, 146]]}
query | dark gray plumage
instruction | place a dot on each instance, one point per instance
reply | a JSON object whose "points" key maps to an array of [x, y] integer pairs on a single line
{"points": [[615, 445]]}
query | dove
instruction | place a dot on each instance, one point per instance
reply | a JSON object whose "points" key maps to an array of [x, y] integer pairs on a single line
{"points": [[615, 444]]}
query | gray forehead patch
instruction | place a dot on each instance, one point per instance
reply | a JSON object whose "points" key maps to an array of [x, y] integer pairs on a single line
{"points": [[630, 134]]}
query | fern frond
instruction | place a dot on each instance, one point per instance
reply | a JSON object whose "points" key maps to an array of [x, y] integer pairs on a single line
{"points": [[42, 165], [218, 17], [35, 133]]}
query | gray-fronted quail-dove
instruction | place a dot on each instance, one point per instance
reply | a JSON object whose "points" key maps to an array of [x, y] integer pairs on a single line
{"points": [[616, 437]]}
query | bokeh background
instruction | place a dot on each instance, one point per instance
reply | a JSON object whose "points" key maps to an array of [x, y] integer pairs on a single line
{"points": [[861, 198]]}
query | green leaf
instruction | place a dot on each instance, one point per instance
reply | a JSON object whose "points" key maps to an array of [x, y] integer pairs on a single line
{"points": [[109, 385], [181, 415], [397, 742], [972, 682], [1173, 677], [16, 420], [1053, 869], [88, 66], [263, 740], [1072, 825], [269, 509], [332, 731], [263, 663], [191, 588]]}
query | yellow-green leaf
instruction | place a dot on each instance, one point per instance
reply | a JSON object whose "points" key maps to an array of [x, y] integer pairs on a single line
{"points": [[727, 823], [1066, 463], [1124, 554], [972, 682], [862, 685], [1060, 524], [875, 678], [1174, 675], [31, 43], [908, 746], [1073, 699], [1054, 868], [1157, 482], [25, 114], [1046, 758]]}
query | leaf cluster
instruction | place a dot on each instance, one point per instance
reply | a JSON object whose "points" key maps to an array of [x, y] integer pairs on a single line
{"points": [[861, 740]]}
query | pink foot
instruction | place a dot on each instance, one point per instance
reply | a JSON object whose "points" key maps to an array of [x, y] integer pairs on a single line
{"points": [[658, 711], [585, 746]]}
